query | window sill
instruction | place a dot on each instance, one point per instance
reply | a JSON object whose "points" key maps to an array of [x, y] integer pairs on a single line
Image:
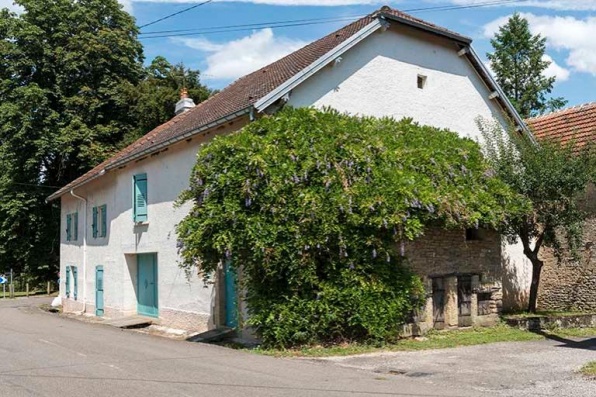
{"points": [[142, 223]]}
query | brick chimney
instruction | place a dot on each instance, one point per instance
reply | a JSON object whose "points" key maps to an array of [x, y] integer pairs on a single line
{"points": [[185, 103]]}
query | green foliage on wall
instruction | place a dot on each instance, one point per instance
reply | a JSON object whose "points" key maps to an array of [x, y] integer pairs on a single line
{"points": [[313, 208]]}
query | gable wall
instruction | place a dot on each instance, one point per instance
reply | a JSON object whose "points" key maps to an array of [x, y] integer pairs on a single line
{"points": [[378, 77]]}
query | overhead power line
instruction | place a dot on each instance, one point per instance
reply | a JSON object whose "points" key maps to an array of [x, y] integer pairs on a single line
{"points": [[176, 13], [232, 29], [253, 25], [305, 22]]}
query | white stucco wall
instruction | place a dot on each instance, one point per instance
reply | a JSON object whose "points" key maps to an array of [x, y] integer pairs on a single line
{"points": [[168, 175], [378, 77]]}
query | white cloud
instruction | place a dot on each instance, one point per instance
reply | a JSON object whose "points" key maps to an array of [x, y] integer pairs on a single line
{"points": [[555, 70], [236, 58], [570, 5], [127, 5], [329, 3], [9, 4], [574, 35]]}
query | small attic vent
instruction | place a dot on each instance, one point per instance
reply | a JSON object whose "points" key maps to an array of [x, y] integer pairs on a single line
{"points": [[421, 81]]}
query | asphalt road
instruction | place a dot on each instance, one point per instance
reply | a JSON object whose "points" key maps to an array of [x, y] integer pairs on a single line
{"points": [[513, 369], [43, 354]]}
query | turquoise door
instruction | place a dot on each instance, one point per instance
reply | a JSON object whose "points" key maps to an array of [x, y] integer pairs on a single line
{"points": [[147, 285], [231, 298], [99, 291]]}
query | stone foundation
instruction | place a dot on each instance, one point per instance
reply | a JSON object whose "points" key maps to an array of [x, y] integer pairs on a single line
{"points": [[553, 322], [178, 319]]}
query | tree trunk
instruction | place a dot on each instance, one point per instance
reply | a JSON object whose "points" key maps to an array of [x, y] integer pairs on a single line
{"points": [[536, 271]]}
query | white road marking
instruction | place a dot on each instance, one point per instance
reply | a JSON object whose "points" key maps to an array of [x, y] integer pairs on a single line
{"points": [[49, 343]]}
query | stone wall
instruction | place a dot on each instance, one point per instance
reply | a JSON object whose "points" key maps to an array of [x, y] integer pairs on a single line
{"points": [[441, 252], [571, 284], [446, 258]]}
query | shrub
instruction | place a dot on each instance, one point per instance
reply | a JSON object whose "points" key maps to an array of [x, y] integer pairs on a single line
{"points": [[315, 207]]}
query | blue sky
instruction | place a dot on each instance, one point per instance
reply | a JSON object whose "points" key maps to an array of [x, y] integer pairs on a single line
{"points": [[569, 25]]}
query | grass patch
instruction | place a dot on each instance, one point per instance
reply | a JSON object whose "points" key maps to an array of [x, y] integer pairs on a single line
{"points": [[433, 340], [589, 369]]}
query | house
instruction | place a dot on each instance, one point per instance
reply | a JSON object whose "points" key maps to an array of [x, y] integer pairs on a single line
{"points": [[570, 284], [118, 239]]}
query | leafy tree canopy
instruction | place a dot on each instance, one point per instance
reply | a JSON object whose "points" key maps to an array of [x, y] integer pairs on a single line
{"points": [[519, 64], [552, 177], [154, 97], [65, 69], [313, 208]]}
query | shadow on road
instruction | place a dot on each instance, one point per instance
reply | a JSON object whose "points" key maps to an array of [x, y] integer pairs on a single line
{"points": [[587, 344]]}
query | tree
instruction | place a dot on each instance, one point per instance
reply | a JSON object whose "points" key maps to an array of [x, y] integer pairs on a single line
{"points": [[313, 207], [518, 62], [154, 98], [66, 67], [551, 177]]}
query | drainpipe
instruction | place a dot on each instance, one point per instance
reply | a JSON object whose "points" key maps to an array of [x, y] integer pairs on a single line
{"points": [[84, 250]]}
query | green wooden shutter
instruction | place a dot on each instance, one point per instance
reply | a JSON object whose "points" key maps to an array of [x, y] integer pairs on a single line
{"points": [[140, 198], [76, 282], [68, 281], [76, 226], [68, 227], [94, 223], [104, 220]]}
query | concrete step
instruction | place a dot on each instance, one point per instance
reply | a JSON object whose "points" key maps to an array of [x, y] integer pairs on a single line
{"points": [[131, 322], [213, 335]]}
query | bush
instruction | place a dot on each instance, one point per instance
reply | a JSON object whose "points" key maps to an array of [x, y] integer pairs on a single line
{"points": [[315, 207]]}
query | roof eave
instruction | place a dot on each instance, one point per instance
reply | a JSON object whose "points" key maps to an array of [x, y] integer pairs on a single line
{"points": [[427, 28], [481, 68], [269, 99], [152, 149]]}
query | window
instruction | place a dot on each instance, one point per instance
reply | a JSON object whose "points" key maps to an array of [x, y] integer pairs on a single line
{"points": [[139, 196], [72, 227], [104, 220], [473, 235], [484, 303], [75, 291], [67, 281], [421, 81], [68, 227], [100, 221], [76, 226]]}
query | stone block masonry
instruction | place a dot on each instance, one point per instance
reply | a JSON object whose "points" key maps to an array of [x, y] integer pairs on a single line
{"points": [[570, 284], [462, 271]]}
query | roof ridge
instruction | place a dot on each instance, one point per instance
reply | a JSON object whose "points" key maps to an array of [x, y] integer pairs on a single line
{"points": [[558, 112]]}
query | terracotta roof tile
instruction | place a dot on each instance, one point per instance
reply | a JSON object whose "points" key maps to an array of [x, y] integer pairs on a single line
{"points": [[577, 124], [246, 91]]}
